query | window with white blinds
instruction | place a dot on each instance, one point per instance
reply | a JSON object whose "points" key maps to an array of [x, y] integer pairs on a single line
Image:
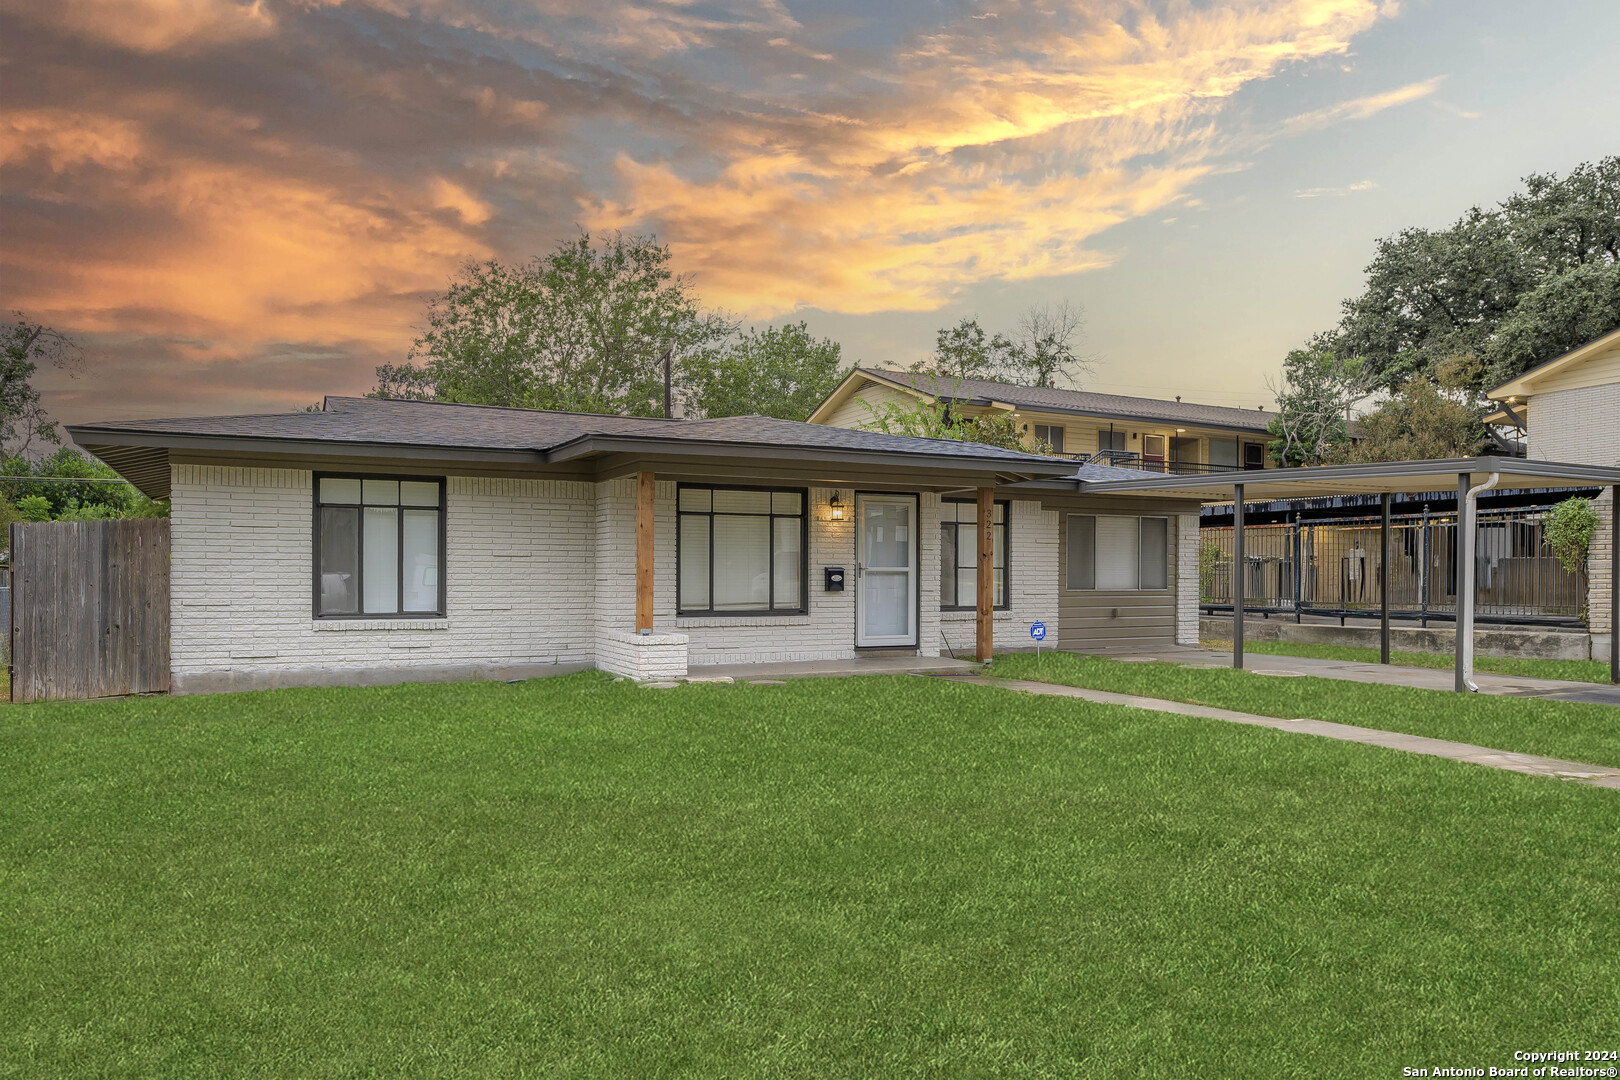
{"points": [[1118, 553]]}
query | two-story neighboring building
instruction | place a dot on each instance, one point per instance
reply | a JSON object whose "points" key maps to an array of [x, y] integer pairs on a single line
{"points": [[1569, 410], [1142, 433]]}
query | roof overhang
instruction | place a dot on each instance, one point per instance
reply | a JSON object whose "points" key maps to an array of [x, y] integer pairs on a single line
{"points": [[1525, 385], [143, 458], [1393, 476]]}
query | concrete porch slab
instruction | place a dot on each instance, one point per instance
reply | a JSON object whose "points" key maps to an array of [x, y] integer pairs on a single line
{"points": [[877, 664]]}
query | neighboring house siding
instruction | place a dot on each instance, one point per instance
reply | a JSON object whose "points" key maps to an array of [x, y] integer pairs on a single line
{"points": [[241, 582], [857, 411], [1582, 425]]}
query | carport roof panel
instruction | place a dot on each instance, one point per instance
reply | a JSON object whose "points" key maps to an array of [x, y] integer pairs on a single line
{"points": [[1390, 476]]}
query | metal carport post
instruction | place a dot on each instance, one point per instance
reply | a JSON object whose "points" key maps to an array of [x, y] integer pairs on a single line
{"points": [[1383, 580], [1614, 583], [1237, 575]]}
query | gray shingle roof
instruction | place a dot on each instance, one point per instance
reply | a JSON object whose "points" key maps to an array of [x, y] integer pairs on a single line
{"points": [[984, 391], [480, 427]]}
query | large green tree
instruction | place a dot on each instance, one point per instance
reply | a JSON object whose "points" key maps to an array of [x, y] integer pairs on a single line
{"points": [[1428, 417], [1513, 286], [780, 371], [582, 328]]}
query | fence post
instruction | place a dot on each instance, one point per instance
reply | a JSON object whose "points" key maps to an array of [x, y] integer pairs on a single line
{"points": [[1296, 566], [1423, 571]]}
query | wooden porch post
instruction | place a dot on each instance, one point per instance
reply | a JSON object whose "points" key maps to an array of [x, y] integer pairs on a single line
{"points": [[985, 619], [645, 489]]}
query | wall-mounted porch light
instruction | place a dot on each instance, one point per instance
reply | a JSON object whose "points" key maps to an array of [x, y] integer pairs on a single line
{"points": [[836, 507]]}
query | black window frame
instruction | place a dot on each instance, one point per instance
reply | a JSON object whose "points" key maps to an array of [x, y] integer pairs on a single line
{"points": [[1006, 551], [804, 552], [1062, 436], [399, 559]]}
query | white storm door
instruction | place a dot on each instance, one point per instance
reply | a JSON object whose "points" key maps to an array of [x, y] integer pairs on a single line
{"points": [[886, 570]]}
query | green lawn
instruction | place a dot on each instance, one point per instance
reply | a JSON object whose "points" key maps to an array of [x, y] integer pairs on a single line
{"points": [[835, 878], [1562, 729], [1593, 671]]}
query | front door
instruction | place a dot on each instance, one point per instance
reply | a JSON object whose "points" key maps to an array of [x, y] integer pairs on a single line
{"points": [[886, 570]]}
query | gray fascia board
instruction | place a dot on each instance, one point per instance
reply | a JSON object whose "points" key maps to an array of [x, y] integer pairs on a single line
{"points": [[1576, 475], [88, 437], [589, 445]]}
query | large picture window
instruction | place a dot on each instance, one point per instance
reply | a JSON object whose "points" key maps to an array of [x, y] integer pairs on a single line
{"points": [[959, 556], [1118, 553], [379, 547], [740, 551]]}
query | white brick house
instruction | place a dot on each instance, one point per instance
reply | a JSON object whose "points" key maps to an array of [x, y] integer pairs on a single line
{"points": [[1569, 408], [386, 541]]}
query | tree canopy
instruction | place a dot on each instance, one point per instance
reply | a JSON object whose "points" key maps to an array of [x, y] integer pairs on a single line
{"points": [[1428, 417], [1314, 399], [1512, 286], [1041, 351], [779, 371], [582, 329], [585, 328]]}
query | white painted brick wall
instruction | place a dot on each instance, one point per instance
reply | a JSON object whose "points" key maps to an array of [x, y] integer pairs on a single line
{"points": [[1187, 542], [519, 563], [538, 572], [1033, 570], [1583, 426], [642, 657]]}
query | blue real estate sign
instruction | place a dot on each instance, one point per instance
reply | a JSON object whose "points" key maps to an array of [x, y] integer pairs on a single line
{"points": [[1037, 630]]}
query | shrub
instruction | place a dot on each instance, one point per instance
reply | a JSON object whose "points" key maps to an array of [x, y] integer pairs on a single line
{"points": [[1569, 532]]}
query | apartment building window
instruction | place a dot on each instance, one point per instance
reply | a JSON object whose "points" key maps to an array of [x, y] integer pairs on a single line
{"points": [[1052, 435]]}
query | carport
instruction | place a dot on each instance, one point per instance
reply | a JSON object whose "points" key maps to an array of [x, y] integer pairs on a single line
{"points": [[1385, 479]]}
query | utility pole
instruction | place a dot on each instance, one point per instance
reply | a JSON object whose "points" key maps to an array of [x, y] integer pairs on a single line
{"points": [[667, 354]]}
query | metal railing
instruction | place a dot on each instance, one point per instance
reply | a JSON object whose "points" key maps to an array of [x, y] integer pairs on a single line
{"points": [[1330, 567], [1130, 459]]}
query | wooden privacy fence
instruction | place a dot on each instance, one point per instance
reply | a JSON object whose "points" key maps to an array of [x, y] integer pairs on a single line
{"points": [[89, 608]]}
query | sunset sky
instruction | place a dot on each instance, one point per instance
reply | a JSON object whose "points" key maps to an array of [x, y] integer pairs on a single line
{"points": [[242, 207]]}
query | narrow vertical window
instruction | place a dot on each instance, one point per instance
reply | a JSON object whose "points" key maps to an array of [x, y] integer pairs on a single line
{"points": [[959, 555]]}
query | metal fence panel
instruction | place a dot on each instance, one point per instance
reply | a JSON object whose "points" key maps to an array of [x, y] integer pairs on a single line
{"points": [[1331, 566]]}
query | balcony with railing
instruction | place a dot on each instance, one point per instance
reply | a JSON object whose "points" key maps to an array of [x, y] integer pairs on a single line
{"points": [[1130, 459]]}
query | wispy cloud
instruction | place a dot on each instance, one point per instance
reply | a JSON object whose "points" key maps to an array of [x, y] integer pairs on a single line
{"points": [[1360, 108], [1319, 192]]}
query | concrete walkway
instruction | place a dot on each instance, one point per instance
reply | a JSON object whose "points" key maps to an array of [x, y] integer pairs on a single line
{"points": [[888, 663], [1596, 775], [1390, 674]]}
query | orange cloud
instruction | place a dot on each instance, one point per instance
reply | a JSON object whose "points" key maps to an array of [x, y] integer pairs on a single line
{"points": [[278, 256], [210, 182], [1006, 146]]}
